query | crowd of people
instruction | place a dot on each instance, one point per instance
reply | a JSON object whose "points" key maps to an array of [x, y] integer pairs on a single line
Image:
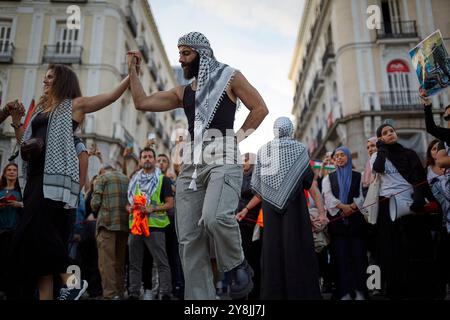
{"points": [[218, 225]]}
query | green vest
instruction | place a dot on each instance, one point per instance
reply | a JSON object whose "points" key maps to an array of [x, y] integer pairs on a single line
{"points": [[157, 219]]}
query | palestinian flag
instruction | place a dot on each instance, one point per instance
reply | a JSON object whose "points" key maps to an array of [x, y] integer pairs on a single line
{"points": [[315, 164]]}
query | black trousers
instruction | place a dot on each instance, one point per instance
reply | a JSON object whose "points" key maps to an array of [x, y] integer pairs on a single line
{"points": [[350, 261]]}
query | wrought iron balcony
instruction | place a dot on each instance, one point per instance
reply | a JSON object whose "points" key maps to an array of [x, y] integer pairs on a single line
{"points": [[397, 29], [400, 101], [328, 55], [63, 53], [6, 52]]}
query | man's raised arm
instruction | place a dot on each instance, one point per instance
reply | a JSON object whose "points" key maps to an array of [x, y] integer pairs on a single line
{"points": [[158, 101]]}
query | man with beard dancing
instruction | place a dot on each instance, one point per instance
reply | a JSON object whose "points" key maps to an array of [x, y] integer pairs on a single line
{"points": [[207, 189]]}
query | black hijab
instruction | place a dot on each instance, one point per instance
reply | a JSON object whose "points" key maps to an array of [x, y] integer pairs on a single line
{"points": [[406, 161]]}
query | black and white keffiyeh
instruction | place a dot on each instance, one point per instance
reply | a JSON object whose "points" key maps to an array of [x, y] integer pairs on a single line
{"points": [[61, 169], [212, 82], [147, 183], [279, 165]]}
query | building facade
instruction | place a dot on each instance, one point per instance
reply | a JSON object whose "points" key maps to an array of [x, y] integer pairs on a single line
{"points": [[34, 34], [349, 77]]}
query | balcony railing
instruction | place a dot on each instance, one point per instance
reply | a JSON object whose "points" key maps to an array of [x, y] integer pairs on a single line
{"points": [[6, 52], [314, 91], [63, 53], [328, 54], [318, 80], [131, 20], [400, 101], [397, 29]]}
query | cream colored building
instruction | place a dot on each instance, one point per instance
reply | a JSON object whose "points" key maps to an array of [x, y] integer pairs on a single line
{"points": [[35, 33], [350, 78]]}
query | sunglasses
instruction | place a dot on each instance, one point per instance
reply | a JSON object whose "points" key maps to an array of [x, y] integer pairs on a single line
{"points": [[447, 117]]}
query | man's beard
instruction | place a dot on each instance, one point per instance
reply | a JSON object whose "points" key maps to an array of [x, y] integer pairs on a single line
{"points": [[147, 165], [192, 68]]}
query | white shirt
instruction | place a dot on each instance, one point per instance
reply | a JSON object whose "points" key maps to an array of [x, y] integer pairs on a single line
{"points": [[391, 181], [331, 202]]}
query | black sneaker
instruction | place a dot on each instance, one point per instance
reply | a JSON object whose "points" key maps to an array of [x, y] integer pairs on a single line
{"points": [[165, 297], [133, 297], [241, 281], [73, 293]]}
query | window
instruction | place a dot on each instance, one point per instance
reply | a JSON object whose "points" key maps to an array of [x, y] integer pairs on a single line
{"points": [[398, 76], [329, 36], [5, 35], [335, 93], [391, 16], [65, 39], [440, 99]]}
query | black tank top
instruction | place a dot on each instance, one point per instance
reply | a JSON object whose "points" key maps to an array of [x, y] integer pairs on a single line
{"points": [[39, 127], [223, 118]]}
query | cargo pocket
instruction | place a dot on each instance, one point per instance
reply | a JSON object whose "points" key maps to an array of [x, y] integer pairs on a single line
{"points": [[229, 198]]}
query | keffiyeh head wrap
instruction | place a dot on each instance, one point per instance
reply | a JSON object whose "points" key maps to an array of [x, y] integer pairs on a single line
{"points": [[212, 82], [279, 165]]}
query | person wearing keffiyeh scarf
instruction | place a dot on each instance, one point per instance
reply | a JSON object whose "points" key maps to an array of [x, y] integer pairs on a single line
{"points": [[281, 174], [51, 180], [150, 182], [209, 183]]}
